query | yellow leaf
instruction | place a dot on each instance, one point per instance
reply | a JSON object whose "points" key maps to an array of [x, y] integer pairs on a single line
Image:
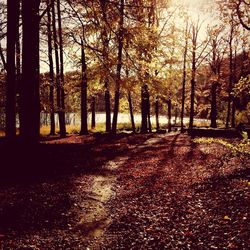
{"points": [[227, 218]]}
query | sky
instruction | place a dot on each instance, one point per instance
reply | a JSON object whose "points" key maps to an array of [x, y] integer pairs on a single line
{"points": [[194, 9], [198, 9]]}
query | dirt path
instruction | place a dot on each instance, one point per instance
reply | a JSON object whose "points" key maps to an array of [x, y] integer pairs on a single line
{"points": [[132, 192], [97, 219]]}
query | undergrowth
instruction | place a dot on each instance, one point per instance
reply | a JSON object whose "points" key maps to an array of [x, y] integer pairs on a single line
{"points": [[238, 147]]}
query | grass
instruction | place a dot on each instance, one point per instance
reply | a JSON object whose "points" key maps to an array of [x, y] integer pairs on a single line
{"points": [[242, 147]]}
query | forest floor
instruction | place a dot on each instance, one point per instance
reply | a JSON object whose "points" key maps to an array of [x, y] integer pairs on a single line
{"points": [[153, 191]]}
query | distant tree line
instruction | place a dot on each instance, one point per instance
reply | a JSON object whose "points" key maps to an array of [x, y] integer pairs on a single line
{"points": [[121, 50]]}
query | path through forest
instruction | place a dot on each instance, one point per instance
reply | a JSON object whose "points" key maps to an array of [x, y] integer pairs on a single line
{"points": [[153, 191]]}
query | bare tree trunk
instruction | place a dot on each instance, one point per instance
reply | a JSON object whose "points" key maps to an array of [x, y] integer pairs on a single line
{"points": [[105, 42], [12, 27], [62, 98], [195, 30], [131, 112], [107, 106], [18, 55], [148, 116], [144, 98], [230, 75], [84, 109], [51, 71], [184, 75], [157, 114], [119, 67], [234, 72], [29, 95], [213, 115], [58, 77], [169, 115], [93, 112]]}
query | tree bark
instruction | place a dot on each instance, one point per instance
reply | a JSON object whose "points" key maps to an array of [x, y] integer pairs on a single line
{"points": [[148, 116], [169, 115], [213, 115], [119, 67], [93, 112], [18, 54], [58, 77], [51, 71], [105, 42], [62, 93], [184, 75], [230, 75], [131, 112], [107, 107], [234, 79], [157, 114], [144, 114], [84, 109], [29, 95], [12, 28], [193, 74]]}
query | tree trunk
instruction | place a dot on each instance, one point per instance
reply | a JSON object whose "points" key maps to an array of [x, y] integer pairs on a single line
{"points": [[234, 72], [193, 76], [144, 98], [213, 115], [148, 116], [184, 74], [62, 94], [84, 109], [169, 115], [51, 71], [93, 112], [230, 76], [107, 107], [29, 95], [157, 114], [119, 67], [191, 121], [18, 57], [58, 77], [12, 27], [131, 112], [105, 44]]}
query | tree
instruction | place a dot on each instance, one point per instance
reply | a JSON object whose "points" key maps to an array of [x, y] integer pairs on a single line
{"points": [[144, 109], [84, 110], [61, 89], [51, 70], [217, 51], [231, 76], [12, 28], [197, 58], [105, 49], [119, 66], [59, 70], [184, 75], [29, 92]]}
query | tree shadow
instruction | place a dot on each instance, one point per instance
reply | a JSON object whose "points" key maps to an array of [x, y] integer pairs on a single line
{"points": [[37, 182]]}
